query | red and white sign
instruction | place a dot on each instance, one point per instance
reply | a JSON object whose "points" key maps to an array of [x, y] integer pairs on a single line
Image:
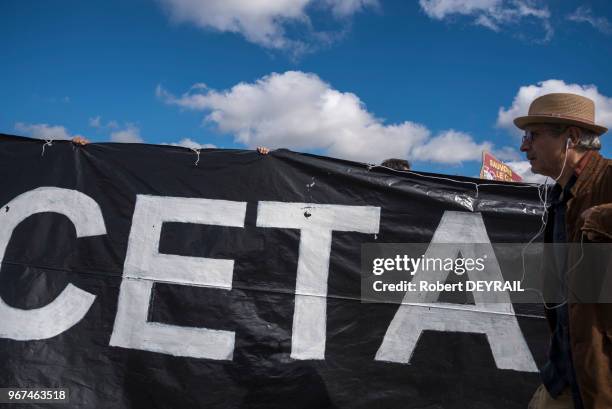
{"points": [[494, 169]]}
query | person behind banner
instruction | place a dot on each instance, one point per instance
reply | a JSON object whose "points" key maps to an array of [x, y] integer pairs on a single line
{"points": [[562, 141], [392, 163], [80, 140], [396, 164]]}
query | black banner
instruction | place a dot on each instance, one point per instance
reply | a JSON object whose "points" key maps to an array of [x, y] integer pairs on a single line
{"points": [[144, 276]]}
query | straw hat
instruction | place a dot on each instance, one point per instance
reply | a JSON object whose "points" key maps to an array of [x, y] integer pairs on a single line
{"points": [[562, 108]]}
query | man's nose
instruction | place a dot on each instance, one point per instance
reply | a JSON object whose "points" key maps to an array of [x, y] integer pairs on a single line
{"points": [[525, 146]]}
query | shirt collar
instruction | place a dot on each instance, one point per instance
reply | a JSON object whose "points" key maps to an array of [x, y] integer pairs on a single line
{"points": [[564, 194], [582, 163]]}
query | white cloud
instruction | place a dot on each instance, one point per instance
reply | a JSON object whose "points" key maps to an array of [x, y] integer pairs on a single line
{"points": [[191, 144], [584, 14], [451, 147], [344, 8], [507, 153], [526, 94], [95, 122], [261, 22], [130, 134], [43, 131], [439, 9], [298, 110], [492, 14], [487, 22], [523, 168]]}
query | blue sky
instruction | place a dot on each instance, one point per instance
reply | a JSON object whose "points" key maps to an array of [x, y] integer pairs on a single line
{"points": [[435, 81]]}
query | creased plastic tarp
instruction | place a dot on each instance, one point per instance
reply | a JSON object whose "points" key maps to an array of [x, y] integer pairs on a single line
{"points": [[447, 369]]}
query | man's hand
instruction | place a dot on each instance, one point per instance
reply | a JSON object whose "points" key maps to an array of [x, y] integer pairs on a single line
{"points": [[263, 150], [79, 140]]}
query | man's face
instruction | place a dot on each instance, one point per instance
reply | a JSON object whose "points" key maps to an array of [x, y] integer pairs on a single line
{"points": [[545, 150]]}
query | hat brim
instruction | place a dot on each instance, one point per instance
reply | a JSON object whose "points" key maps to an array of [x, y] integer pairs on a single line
{"points": [[522, 121]]}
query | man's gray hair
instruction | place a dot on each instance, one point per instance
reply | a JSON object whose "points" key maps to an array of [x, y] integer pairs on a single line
{"points": [[589, 140]]}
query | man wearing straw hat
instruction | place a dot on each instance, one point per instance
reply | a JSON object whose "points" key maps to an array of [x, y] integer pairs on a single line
{"points": [[561, 141]]}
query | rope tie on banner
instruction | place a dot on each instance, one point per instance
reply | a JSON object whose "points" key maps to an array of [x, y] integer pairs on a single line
{"points": [[197, 151], [48, 142]]}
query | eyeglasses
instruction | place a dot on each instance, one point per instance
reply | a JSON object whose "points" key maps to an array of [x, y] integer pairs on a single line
{"points": [[529, 136]]}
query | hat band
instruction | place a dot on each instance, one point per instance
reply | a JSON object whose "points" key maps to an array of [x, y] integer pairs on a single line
{"points": [[562, 116]]}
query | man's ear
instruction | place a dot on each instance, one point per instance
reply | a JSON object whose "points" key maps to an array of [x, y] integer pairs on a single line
{"points": [[573, 136]]}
